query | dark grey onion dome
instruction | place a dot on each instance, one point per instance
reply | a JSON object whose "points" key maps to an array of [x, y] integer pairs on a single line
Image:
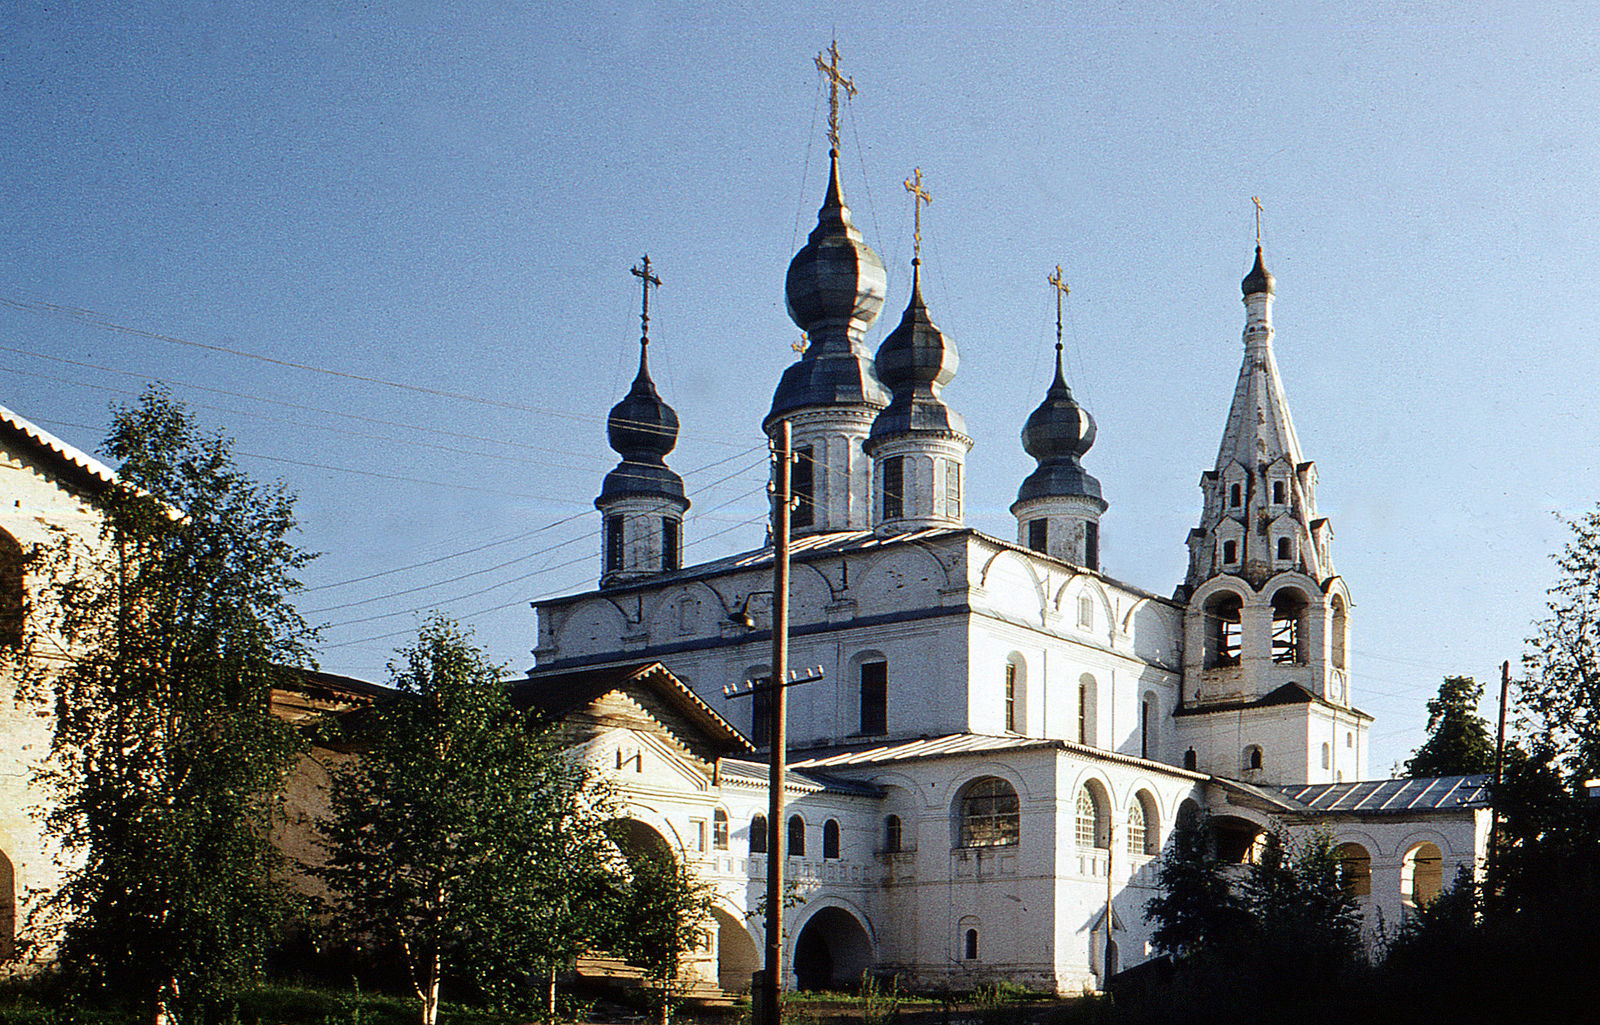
{"points": [[915, 362], [1259, 279], [835, 290], [642, 429], [1057, 434]]}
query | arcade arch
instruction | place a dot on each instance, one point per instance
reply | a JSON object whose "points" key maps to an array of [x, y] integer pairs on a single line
{"points": [[831, 951]]}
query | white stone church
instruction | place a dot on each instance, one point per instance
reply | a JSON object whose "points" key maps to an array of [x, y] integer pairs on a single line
{"points": [[1004, 736]]}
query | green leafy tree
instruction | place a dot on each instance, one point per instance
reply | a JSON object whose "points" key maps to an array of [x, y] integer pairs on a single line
{"points": [[166, 759], [1197, 907], [461, 837], [1459, 743], [664, 910], [1559, 696]]}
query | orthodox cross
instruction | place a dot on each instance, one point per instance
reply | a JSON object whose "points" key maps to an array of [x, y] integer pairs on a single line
{"points": [[919, 196], [646, 279], [1059, 283], [800, 345], [1257, 201], [836, 81]]}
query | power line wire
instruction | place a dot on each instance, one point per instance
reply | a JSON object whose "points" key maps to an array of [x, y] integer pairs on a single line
{"points": [[99, 320]]}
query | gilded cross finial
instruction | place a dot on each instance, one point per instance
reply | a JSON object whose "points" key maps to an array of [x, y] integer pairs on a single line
{"points": [[1058, 283], [836, 81], [1257, 201], [646, 279], [800, 345], [919, 196]]}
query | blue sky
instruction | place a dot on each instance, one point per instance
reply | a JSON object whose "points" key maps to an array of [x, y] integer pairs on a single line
{"points": [[448, 198]]}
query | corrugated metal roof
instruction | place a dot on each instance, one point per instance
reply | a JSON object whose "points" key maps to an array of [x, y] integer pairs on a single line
{"points": [[934, 747], [1393, 795], [756, 774], [94, 471]]}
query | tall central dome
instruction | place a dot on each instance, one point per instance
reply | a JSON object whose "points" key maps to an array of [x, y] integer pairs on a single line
{"points": [[835, 289]]}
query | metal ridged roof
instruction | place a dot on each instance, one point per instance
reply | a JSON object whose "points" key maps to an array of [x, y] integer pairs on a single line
{"points": [[955, 744], [1393, 795], [757, 774], [95, 470]]}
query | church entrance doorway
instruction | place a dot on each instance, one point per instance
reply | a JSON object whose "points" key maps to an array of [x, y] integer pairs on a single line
{"points": [[832, 951]]}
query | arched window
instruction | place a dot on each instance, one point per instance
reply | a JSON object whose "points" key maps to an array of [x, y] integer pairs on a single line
{"points": [[1289, 632], [1252, 757], [1421, 875], [797, 837], [893, 839], [758, 835], [1011, 697], [1148, 709], [1136, 834], [1191, 761], [1279, 493], [971, 951], [13, 598], [1327, 755], [1086, 709], [1230, 552], [1285, 549], [1223, 630], [1093, 823], [1146, 839], [1340, 634], [990, 814], [874, 698], [1235, 495], [830, 840], [1355, 869], [719, 829]]}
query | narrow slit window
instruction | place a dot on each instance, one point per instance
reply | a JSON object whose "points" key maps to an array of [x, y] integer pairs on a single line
{"points": [[802, 487], [893, 487], [874, 698], [1039, 534], [1011, 697], [671, 544], [614, 547]]}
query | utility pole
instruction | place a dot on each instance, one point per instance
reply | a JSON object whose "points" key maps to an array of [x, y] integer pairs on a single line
{"points": [[1111, 846], [767, 986], [1499, 761]]}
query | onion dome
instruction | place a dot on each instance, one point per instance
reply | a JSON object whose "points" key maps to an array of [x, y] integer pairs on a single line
{"points": [[915, 362], [1259, 279], [642, 429], [835, 290], [1057, 434]]}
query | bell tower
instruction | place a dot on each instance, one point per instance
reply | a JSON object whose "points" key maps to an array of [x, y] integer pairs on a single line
{"points": [[1266, 630]]}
